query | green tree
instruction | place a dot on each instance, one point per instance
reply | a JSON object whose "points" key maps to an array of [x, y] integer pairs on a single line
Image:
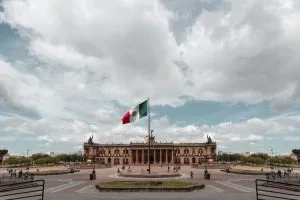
{"points": [[39, 155], [254, 160], [13, 161], [261, 155], [297, 153]]}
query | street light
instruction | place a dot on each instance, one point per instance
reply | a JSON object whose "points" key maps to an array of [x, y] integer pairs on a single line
{"points": [[27, 168], [205, 162], [206, 174]]}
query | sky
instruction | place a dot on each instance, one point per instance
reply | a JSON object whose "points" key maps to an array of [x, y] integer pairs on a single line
{"points": [[224, 68]]}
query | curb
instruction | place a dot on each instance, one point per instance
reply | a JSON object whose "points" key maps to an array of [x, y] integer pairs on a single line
{"points": [[149, 176], [245, 173], [185, 189], [54, 173]]}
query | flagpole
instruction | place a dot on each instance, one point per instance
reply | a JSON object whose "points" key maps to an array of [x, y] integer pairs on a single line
{"points": [[148, 113]]}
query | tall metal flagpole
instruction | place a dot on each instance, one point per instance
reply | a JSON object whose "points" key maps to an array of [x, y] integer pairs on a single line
{"points": [[148, 113]]}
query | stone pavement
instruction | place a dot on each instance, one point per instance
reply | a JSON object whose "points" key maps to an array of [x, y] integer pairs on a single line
{"points": [[221, 186]]}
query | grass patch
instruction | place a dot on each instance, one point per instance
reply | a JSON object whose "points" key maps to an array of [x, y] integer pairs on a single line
{"points": [[53, 172], [146, 184], [250, 172]]}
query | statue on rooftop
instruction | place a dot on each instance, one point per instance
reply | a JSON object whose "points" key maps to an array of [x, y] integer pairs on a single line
{"points": [[90, 141], [209, 140]]}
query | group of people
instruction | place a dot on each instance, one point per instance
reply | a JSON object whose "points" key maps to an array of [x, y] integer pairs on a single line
{"points": [[13, 173], [286, 173]]}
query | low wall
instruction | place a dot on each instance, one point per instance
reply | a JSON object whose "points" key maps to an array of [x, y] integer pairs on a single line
{"points": [[184, 189], [150, 175]]}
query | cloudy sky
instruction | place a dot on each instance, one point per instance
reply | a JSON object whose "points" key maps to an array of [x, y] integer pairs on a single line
{"points": [[225, 68]]}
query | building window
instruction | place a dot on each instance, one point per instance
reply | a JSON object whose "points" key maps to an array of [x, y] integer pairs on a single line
{"points": [[125, 161], [186, 160], [102, 161], [177, 161], [193, 160], [200, 151], [102, 151], [186, 151], [116, 152], [125, 151], [116, 161]]}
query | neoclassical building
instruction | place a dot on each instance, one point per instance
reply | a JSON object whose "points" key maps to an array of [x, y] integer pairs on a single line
{"points": [[161, 153]]}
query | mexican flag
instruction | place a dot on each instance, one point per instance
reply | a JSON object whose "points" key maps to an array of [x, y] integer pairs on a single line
{"points": [[137, 112]]}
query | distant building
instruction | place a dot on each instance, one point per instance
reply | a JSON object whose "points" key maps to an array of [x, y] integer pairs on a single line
{"points": [[160, 153], [247, 154], [292, 155], [52, 154]]}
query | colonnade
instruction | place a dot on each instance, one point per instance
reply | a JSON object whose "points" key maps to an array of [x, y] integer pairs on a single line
{"points": [[157, 156]]}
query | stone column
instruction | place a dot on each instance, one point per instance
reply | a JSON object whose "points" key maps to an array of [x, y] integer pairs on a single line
{"points": [[154, 155], [131, 156], [137, 155], [160, 156], [166, 155], [143, 156], [172, 161]]}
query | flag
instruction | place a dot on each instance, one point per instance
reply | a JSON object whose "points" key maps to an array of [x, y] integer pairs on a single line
{"points": [[137, 112]]}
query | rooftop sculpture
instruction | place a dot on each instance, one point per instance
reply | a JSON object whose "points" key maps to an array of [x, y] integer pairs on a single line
{"points": [[90, 141]]}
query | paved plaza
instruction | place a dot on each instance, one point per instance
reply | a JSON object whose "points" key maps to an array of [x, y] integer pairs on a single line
{"points": [[221, 186]]}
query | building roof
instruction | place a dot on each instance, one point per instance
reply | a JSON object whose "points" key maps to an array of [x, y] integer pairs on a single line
{"points": [[156, 144]]}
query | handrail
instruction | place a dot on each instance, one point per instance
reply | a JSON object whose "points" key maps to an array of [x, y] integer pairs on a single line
{"points": [[276, 189], [22, 190]]}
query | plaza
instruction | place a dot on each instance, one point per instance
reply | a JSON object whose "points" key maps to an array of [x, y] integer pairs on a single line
{"points": [[77, 186]]}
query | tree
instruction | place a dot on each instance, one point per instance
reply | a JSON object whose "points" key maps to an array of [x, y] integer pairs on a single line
{"points": [[254, 160], [263, 156], [297, 153], [39, 155], [3, 152]]}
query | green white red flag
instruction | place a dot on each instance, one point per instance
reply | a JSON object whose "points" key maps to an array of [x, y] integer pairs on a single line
{"points": [[135, 113]]}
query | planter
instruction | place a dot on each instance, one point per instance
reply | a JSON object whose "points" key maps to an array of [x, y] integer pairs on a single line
{"points": [[207, 176], [93, 176]]}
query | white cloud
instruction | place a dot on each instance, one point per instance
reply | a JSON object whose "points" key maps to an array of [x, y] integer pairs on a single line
{"points": [[126, 51], [246, 52], [123, 45], [95, 54], [247, 138], [64, 139], [44, 138]]}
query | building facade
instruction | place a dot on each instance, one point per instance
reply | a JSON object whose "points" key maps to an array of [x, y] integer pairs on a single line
{"points": [[160, 153]]}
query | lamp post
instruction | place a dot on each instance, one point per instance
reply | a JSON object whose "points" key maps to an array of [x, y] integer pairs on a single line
{"points": [[93, 174], [27, 168], [94, 159], [205, 164], [206, 174]]}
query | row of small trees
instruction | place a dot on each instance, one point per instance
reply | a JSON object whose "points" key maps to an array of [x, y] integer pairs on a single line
{"points": [[258, 159], [43, 159]]}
